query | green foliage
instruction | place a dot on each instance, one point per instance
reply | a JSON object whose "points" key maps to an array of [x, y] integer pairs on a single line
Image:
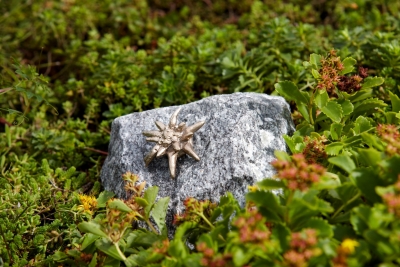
{"points": [[68, 68]]}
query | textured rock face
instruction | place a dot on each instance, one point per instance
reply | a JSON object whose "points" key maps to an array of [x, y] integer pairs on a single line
{"points": [[235, 145]]}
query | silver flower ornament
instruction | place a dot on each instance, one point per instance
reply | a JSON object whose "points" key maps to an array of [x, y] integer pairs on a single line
{"points": [[172, 140]]}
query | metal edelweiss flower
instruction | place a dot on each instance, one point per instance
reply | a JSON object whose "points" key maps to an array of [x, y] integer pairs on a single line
{"points": [[172, 140]]}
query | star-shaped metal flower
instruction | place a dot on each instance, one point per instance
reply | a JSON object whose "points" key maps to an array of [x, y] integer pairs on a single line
{"points": [[173, 140]]}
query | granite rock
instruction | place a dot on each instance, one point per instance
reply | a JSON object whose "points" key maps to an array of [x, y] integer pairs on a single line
{"points": [[236, 146]]}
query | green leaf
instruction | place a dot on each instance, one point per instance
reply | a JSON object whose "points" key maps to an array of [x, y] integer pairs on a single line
{"points": [[372, 140], [270, 184], [315, 61], [368, 106], [348, 64], [93, 262], [333, 110], [372, 82], [342, 232], [13, 111], [321, 98], [369, 156], [382, 243], [141, 201], [358, 96], [91, 227], [304, 206], [182, 229], [240, 257], [103, 198], [29, 94], [57, 256], [268, 201], [290, 143], [159, 212], [88, 240], [304, 128], [119, 205], [281, 233], [282, 155], [334, 148], [392, 117], [302, 108], [315, 74], [111, 262], [347, 106], [395, 102], [336, 130], [343, 162], [366, 218], [323, 227], [142, 238], [222, 214], [228, 63], [290, 91], [74, 253], [361, 125], [391, 168], [20, 89], [347, 191], [367, 180], [150, 196], [178, 249], [106, 246], [359, 219]]}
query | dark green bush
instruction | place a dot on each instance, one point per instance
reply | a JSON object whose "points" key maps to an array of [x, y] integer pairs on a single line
{"points": [[68, 68]]}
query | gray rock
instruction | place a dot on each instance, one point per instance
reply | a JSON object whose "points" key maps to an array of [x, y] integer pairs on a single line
{"points": [[236, 146]]}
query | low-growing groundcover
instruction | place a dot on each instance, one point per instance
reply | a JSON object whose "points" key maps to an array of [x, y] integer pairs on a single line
{"points": [[68, 68]]}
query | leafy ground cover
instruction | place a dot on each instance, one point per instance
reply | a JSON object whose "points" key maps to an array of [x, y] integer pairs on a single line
{"points": [[68, 68]]}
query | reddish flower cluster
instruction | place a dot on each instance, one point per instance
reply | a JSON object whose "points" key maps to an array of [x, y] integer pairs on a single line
{"points": [[329, 72], [86, 257], [134, 188], [213, 259], [252, 228], [363, 72], [390, 134], [314, 152], [193, 208], [351, 84], [302, 248], [392, 200], [330, 76], [297, 173], [161, 247], [116, 222]]}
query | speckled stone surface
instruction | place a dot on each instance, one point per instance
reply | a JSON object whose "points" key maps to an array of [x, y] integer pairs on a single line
{"points": [[236, 146]]}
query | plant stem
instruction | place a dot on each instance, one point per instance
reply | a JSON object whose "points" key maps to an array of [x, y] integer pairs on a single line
{"points": [[310, 107], [96, 150], [5, 90], [205, 219], [119, 251], [210, 224], [306, 86], [152, 227], [346, 204], [289, 200]]}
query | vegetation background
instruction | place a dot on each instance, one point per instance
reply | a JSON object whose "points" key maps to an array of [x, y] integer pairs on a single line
{"points": [[68, 68]]}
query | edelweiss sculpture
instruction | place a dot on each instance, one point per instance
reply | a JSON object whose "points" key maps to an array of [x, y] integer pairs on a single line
{"points": [[172, 140]]}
